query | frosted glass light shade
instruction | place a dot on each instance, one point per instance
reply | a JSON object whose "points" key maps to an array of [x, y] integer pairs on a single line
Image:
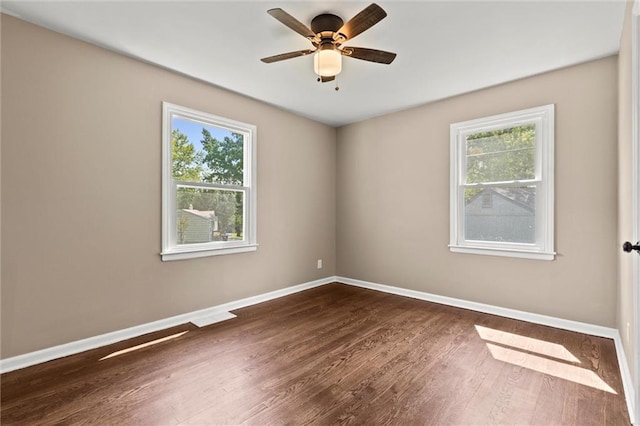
{"points": [[327, 63]]}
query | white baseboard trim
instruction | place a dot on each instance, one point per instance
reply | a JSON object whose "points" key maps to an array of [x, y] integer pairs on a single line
{"points": [[48, 354], [627, 381], [580, 327]]}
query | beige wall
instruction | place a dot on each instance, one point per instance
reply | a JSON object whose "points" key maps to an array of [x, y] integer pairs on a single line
{"points": [[625, 177], [393, 200], [81, 187]]}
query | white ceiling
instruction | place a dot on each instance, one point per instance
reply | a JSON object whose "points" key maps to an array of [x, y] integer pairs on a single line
{"points": [[444, 48]]}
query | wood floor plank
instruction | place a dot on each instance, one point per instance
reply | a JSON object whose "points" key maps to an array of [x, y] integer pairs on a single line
{"points": [[335, 354]]}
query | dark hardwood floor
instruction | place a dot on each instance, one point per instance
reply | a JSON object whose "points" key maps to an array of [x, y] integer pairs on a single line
{"points": [[333, 354]]}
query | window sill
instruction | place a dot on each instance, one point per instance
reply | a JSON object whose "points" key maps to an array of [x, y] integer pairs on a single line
{"points": [[194, 254], [487, 251]]}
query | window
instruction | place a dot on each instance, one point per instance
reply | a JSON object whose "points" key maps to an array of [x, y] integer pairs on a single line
{"points": [[502, 185], [208, 184]]}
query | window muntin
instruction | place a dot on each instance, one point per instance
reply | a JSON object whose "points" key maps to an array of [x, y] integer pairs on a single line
{"points": [[208, 184], [502, 185]]}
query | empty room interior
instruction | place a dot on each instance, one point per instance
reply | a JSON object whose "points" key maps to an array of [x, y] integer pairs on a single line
{"points": [[233, 213]]}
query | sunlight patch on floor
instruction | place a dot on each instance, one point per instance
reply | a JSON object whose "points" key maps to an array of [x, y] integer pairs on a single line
{"points": [[529, 344], [543, 365], [143, 345]]}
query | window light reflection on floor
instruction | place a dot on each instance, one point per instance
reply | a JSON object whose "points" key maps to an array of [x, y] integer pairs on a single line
{"points": [[547, 366], [541, 347], [143, 345], [510, 348]]}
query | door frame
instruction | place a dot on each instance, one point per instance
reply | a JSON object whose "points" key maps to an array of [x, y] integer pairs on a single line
{"points": [[635, 200]]}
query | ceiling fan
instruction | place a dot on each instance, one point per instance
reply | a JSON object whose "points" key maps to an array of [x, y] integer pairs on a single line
{"points": [[327, 34]]}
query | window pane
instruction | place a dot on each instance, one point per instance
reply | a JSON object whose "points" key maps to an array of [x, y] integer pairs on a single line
{"points": [[209, 215], [505, 214], [501, 155], [206, 153]]}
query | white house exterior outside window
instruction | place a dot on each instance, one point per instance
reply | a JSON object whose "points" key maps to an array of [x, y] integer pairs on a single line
{"points": [[208, 184], [502, 185]]}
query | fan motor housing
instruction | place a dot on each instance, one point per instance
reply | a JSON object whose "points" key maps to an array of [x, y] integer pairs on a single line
{"points": [[326, 22]]}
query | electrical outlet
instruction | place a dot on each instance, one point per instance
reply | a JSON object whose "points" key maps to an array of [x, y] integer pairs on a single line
{"points": [[319, 263]]}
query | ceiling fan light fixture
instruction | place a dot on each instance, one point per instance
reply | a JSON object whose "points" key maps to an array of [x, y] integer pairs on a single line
{"points": [[327, 62], [327, 34]]}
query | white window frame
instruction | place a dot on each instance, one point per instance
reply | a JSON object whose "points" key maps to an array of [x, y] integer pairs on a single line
{"points": [[171, 250], [543, 248]]}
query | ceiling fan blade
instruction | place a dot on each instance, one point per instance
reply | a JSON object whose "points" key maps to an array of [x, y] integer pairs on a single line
{"points": [[364, 20], [326, 79], [289, 55], [371, 55], [291, 22]]}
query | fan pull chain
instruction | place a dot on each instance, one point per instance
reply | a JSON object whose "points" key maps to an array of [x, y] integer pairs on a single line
{"points": [[336, 80], [319, 67]]}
